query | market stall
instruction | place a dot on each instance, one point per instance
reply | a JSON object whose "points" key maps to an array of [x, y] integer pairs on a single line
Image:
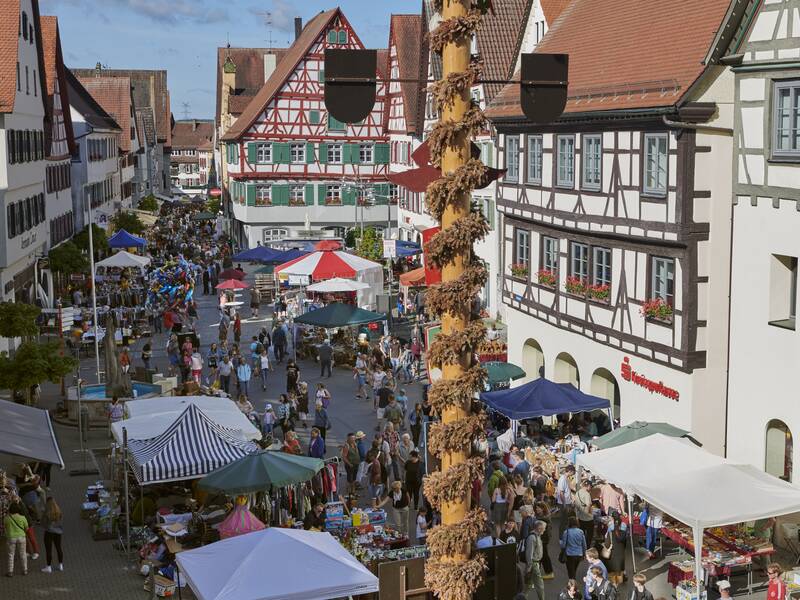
{"points": [[636, 431], [124, 260], [257, 254], [123, 239], [275, 564], [27, 433], [261, 471], [693, 486]]}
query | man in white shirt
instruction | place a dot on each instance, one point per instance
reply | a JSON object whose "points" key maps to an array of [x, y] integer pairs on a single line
{"points": [[564, 491]]}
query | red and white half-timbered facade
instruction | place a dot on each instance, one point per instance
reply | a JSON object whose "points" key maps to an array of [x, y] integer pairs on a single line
{"points": [[288, 162]]}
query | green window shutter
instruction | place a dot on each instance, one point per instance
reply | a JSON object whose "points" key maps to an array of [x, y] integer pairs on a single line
{"points": [[348, 196], [309, 194], [322, 153], [313, 117], [280, 153], [309, 153], [332, 37], [322, 192], [280, 195], [381, 193], [381, 154], [355, 157], [321, 76], [251, 153], [229, 153], [335, 124], [342, 37], [346, 149], [251, 194]]}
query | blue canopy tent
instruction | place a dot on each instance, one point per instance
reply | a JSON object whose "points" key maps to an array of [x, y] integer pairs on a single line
{"points": [[123, 239], [257, 254], [543, 398], [404, 248], [287, 255]]}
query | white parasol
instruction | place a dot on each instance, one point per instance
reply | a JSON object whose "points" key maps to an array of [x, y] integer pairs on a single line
{"points": [[338, 284]]}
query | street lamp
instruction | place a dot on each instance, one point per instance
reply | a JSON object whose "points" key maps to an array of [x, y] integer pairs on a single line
{"points": [[94, 284]]}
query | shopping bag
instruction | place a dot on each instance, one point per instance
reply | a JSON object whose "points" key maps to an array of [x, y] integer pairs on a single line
{"points": [[361, 474]]}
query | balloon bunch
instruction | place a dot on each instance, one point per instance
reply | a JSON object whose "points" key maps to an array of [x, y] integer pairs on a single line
{"points": [[172, 285]]}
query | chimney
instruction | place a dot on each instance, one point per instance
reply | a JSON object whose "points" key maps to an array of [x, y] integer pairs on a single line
{"points": [[97, 69], [298, 27], [270, 63], [194, 125]]}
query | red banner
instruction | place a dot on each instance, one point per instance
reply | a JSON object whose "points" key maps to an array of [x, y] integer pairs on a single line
{"points": [[432, 275]]}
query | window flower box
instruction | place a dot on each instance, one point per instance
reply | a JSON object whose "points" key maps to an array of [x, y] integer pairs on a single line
{"points": [[657, 309], [519, 270], [600, 293], [575, 286], [548, 278]]}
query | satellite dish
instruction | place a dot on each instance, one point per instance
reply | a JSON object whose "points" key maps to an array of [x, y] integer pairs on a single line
{"points": [[350, 83], [543, 86]]}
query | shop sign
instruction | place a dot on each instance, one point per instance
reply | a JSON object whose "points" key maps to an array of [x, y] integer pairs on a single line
{"points": [[389, 249], [299, 280], [654, 387]]}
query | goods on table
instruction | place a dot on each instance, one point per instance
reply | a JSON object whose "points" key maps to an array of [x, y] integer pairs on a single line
{"points": [[687, 590], [376, 543], [337, 521]]}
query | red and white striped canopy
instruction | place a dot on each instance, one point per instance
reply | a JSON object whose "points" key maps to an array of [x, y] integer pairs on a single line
{"points": [[327, 265]]}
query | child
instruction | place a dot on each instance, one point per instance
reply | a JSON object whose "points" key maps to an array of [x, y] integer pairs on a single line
{"points": [[268, 420], [197, 366], [422, 525]]}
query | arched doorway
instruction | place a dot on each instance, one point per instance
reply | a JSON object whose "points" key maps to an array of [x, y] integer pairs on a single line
{"points": [[604, 385], [532, 360], [778, 450], [565, 370]]}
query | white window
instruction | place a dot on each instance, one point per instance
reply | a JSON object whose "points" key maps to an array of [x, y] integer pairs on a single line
{"points": [[335, 154], [579, 261], [264, 153], [297, 152], [566, 161], [487, 154], [333, 195], [522, 247], [783, 291], [263, 195], [296, 196], [656, 159], [274, 235], [592, 160], [512, 158], [787, 120], [403, 153], [662, 283], [534, 152], [549, 254], [601, 266], [365, 153]]}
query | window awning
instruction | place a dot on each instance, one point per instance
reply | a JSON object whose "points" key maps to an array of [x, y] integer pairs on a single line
{"points": [[27, 432]]}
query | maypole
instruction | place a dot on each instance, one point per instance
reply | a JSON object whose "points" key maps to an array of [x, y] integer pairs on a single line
{"points": [[453, 572]]}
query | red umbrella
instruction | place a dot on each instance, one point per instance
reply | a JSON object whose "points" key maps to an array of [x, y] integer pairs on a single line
{"points": [[233, 284], [231, 274]]}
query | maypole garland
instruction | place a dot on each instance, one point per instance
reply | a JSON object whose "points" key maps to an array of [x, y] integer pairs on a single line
{"points": [[452, 571]]}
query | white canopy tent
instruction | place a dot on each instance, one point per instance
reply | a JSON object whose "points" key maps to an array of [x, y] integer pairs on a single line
{"points": [[151, 417], [274, 564], [337, 284], [123, 259], [692, 485]]}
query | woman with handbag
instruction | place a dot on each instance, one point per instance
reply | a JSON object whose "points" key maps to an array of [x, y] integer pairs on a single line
{"points": [[613, 550], [573, 547]]}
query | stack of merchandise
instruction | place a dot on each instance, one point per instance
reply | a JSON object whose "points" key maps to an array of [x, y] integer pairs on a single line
{"points": [[98, 508], [335, 519], [687, 590]]}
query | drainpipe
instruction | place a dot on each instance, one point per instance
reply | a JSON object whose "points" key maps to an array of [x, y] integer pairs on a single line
{"points": [[728, 355], [696, 126]]}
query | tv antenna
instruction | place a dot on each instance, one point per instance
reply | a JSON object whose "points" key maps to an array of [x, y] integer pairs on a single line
{"points": [[185, 110], [267, 16]]}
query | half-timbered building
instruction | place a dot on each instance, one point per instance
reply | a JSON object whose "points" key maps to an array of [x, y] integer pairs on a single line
{"points": [[288, 162], [616, 230], [763, 418], [59, 139]]}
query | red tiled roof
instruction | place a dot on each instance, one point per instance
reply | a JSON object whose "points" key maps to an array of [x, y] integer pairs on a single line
{"points": [[49, 41], [626, 54], [9, 45], [55, 70], [406, 33], [293, 56], [249, 74], [114, 95], [498, 41], [192, 134], [552, 9]]}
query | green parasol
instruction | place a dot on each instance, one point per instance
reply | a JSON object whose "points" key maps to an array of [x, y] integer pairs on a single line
{"points": [[636, 431], [260, 471], [499, 372], [338, 314]]}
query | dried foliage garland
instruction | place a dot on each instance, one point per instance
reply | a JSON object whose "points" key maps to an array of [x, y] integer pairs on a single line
{"points": [[450, 187], [451, 539], [453, 296], [445, 91], [456, 239], [454, 483], [452, 437], [448, 348], [453, 30], [447, 134], [455, 581], [447, 393]]}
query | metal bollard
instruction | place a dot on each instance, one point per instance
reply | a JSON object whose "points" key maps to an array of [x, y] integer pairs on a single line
{"points": [[84, 417]]}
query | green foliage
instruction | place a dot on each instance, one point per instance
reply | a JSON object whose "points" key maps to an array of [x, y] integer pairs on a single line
{"points": [[18, 320], [370, 246], [212, 205], [68, 258], [351, 237], [148, 203], [130, 222], [81, 240], [34, 363]]}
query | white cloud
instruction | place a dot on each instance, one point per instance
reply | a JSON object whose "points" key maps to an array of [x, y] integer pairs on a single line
{"points": [[280, 16]]}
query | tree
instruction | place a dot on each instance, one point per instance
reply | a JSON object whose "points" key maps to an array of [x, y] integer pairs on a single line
{"points": [[212, 205], [370, 245], [18, 320], [33, 364], [81, 240], [148, 203], [68, 258], [351, 237], [130, 222]]}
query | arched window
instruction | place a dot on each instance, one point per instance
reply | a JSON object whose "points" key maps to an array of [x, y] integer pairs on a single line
{"points": [[604, 385], [779, 449], [532, 360], [565, 370]]}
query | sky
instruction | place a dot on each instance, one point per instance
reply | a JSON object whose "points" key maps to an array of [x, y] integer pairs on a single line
{"points": [[181, 36]]}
